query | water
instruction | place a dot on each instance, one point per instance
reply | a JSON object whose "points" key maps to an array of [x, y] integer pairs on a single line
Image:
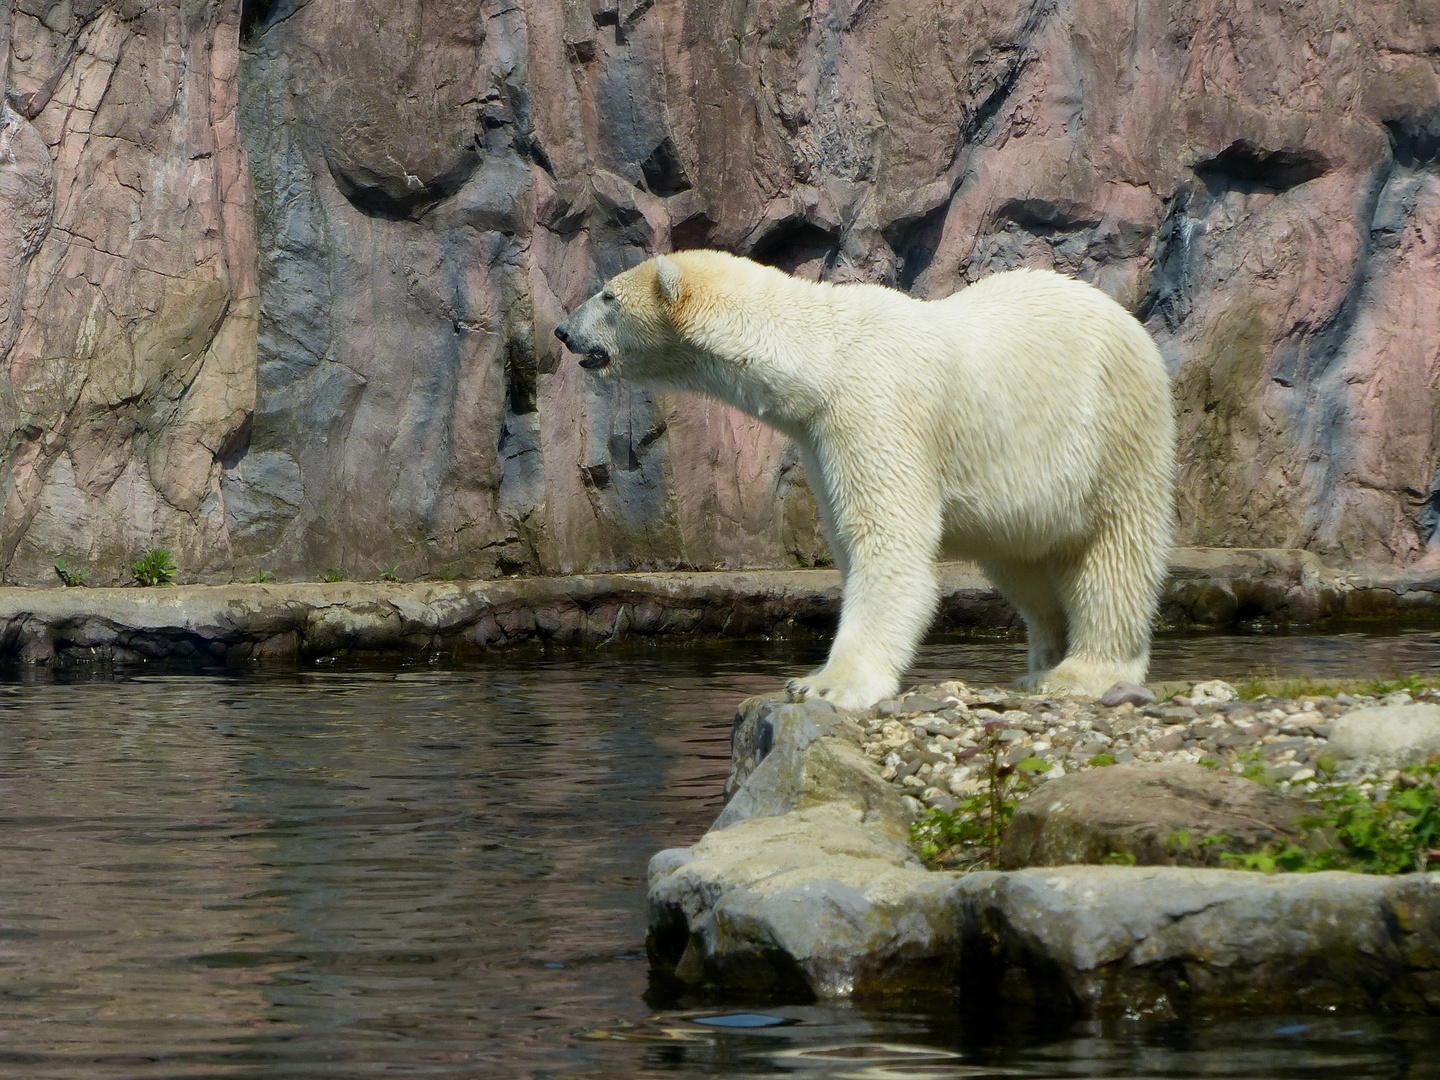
{"points": [[340, 872]]}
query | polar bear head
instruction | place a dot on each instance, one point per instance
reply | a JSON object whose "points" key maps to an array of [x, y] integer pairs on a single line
{"points": [[702, 321], [628, 328]]}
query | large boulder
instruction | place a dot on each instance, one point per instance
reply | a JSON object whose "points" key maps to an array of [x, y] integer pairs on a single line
{"points": [[815, 902], [1172, 941], [1386, 737], [806, 884], [1159, 815], [786, 756]]}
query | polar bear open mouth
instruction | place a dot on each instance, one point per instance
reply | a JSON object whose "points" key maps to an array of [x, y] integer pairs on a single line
{"points": [[595, 358]]}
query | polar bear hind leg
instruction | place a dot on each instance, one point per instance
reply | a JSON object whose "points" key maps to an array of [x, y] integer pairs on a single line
{"points": [[1110, 592], [1031, 589]]}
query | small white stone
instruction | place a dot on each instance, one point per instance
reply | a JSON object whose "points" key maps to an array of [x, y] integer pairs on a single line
{"points": [[1212, 692], [893, 729]]}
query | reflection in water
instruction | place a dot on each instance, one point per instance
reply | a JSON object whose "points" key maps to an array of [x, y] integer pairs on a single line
{"points": [[433, 872]]}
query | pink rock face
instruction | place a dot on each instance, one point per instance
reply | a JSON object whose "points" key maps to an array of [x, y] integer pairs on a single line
{"points": [[438, 183], [133, 367]]}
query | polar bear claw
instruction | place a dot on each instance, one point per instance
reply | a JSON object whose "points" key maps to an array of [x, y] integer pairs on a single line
{"points": [[850, 690]]}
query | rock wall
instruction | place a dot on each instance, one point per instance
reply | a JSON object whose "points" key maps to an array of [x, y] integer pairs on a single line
{"points": [[129, 301], [354, 368]]}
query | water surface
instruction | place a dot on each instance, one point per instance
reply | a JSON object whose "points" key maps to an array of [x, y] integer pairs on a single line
{"points": [[332, 871]]}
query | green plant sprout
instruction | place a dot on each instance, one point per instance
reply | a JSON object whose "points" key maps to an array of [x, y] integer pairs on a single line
{"points": [[155, 567], [970, 834], [1398, 834], [262, 577], [390, 573], [70, 578], [333, 575]]}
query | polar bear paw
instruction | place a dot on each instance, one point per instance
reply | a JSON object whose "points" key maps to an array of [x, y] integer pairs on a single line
{"points": [[845, 687], [1080, 678]]}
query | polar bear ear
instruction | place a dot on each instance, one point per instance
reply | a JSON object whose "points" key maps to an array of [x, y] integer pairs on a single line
{"points": [[668, 272]]}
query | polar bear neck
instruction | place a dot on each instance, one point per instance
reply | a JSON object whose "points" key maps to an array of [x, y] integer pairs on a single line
{"points": [[758, 342]]}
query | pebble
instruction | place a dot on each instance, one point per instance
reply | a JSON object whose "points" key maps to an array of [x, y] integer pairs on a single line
{"points": [[929, 742], [1127, 693]]}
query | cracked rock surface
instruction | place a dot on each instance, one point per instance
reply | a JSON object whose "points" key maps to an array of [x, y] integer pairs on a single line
{"points": [[293, 308]]}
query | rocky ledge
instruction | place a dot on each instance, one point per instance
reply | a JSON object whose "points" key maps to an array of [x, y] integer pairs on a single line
{"points": [[808, 883], [1209, 587]]}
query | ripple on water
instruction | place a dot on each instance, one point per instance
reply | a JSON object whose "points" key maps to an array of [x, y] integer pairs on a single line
{"points": [[441, 872]]}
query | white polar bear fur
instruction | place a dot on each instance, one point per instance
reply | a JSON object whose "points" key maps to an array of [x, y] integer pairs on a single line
{"points": [[1024, 423]]}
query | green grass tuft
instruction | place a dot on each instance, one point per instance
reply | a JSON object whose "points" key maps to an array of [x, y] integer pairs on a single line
{"points": [[1260, 685], [155, 567]]}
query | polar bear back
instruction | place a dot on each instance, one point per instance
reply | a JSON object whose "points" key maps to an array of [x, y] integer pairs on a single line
{"points": [[1037, 401]]}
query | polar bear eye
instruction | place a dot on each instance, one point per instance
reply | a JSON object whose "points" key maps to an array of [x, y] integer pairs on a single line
{"points": [[608, 296]]}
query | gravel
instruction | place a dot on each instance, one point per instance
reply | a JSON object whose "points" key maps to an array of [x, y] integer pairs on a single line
{"points": [[920, 740]]}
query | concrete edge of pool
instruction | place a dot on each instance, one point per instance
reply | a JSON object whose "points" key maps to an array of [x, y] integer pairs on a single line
{"points": [[806, 885], [1209, 587]]}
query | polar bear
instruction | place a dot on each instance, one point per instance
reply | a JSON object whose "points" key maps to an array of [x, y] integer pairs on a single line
{"points": [[1024, 423]]}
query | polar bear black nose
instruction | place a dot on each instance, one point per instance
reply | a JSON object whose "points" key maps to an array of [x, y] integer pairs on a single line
{"points": [[564, 337]]}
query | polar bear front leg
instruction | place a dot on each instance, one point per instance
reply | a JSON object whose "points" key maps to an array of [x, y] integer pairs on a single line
{"points": [[825, 507], [889, 601]]}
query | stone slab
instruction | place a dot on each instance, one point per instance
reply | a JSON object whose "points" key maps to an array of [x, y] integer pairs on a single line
{"points": [[1176, 941], [1208, 587]]}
